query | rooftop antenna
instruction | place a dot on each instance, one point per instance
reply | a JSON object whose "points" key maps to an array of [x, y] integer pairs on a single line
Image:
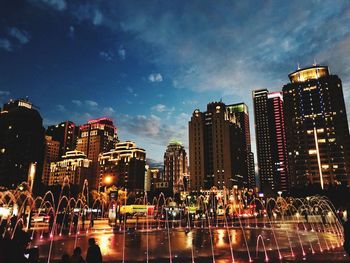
{"points": [[298, 66], [315, 63]]}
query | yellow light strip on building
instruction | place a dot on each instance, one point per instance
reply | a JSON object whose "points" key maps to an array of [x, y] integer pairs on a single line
{"points": [[318, 159]]}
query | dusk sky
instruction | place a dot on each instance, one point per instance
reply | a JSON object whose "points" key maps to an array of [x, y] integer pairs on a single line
{"points": [[149, 64]]}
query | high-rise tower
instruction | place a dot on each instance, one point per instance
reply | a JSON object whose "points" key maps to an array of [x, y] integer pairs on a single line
{"points": [[217, 153], [21, 143], [175, 165], [271, 141], [240, 110], [317, 128], [95, 137], [66, 134]]}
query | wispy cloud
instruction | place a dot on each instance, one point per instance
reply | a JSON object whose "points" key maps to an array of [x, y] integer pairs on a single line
{"points": [[88, 12], [122, 53], [60, 107], [162, 108], [155, 77], [152, 129], [77, 102], [71, 31], [5, 44], [91, 103], [4, 96], [106, 55], [56, 4], [21, 35]]}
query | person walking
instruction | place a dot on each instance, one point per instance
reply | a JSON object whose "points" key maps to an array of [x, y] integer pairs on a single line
{"points": [[94, 253], [76, 257], [346, 244]]}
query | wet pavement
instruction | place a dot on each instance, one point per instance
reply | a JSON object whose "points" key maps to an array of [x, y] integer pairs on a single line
{"points": [[199, 245]]}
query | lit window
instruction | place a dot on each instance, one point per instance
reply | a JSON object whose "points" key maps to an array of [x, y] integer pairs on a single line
{"points": [[312, 152]]}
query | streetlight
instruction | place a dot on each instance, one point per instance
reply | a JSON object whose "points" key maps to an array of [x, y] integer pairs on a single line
{"points": [[279, 193]]}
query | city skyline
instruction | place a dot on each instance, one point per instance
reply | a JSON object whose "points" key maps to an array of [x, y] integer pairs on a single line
{"points": [[87, 61]]}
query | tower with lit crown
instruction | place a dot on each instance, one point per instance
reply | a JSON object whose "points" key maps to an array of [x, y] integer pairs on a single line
{"points": [[95, 137], [175, 165], [317, 128]]}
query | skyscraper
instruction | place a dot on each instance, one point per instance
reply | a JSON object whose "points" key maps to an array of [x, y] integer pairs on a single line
{"points": [[21, 143], [95, 137], [51, 154], [317, 128], [271, 141], [240, 110], [175, 166], [216, 148], [125, 165], [66, 134]]}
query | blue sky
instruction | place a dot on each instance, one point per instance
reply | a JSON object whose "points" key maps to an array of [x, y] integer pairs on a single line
{"points": [[149, 64]]}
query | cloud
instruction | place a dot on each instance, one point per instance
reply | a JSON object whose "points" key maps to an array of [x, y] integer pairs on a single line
{"points": [[71, 32], [108, 111], [22, 36], [88, 12], [107, 56], [56, 4], [4, 93], [6, 44], [91, 103], [4, 96], [122, 53], [97, 18], [60, 107], [77, 102], [155, 77], [162, 108], [154, 130]]}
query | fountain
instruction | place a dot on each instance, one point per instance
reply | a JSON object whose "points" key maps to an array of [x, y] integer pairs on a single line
{"points": [[218, 225]]}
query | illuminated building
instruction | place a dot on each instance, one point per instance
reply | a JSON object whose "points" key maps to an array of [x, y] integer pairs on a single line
{"points": [[66, 134], [126, 165], [317, 128], [271, 141], [240, 110], [217, 152], [95, 137], [175, 166], [21, 143], [74, 166], [52, 149]]}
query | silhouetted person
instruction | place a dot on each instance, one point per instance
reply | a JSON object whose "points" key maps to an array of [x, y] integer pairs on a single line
{"points": [[91, 221], [75, 222], [33, 255], [346, 244], [94, 253], [65, 259], [13, 222], [76, 257], [83, 221], [18, 245]]}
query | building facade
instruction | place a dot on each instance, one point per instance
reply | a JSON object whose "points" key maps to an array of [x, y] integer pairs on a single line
{"points": [[74, 168], [241, 113], [66, 134], [52, 149], [96, 137], [21, 143], [125, 165], [271, 144], [217, 152], [317, 128], [175, 166]]}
